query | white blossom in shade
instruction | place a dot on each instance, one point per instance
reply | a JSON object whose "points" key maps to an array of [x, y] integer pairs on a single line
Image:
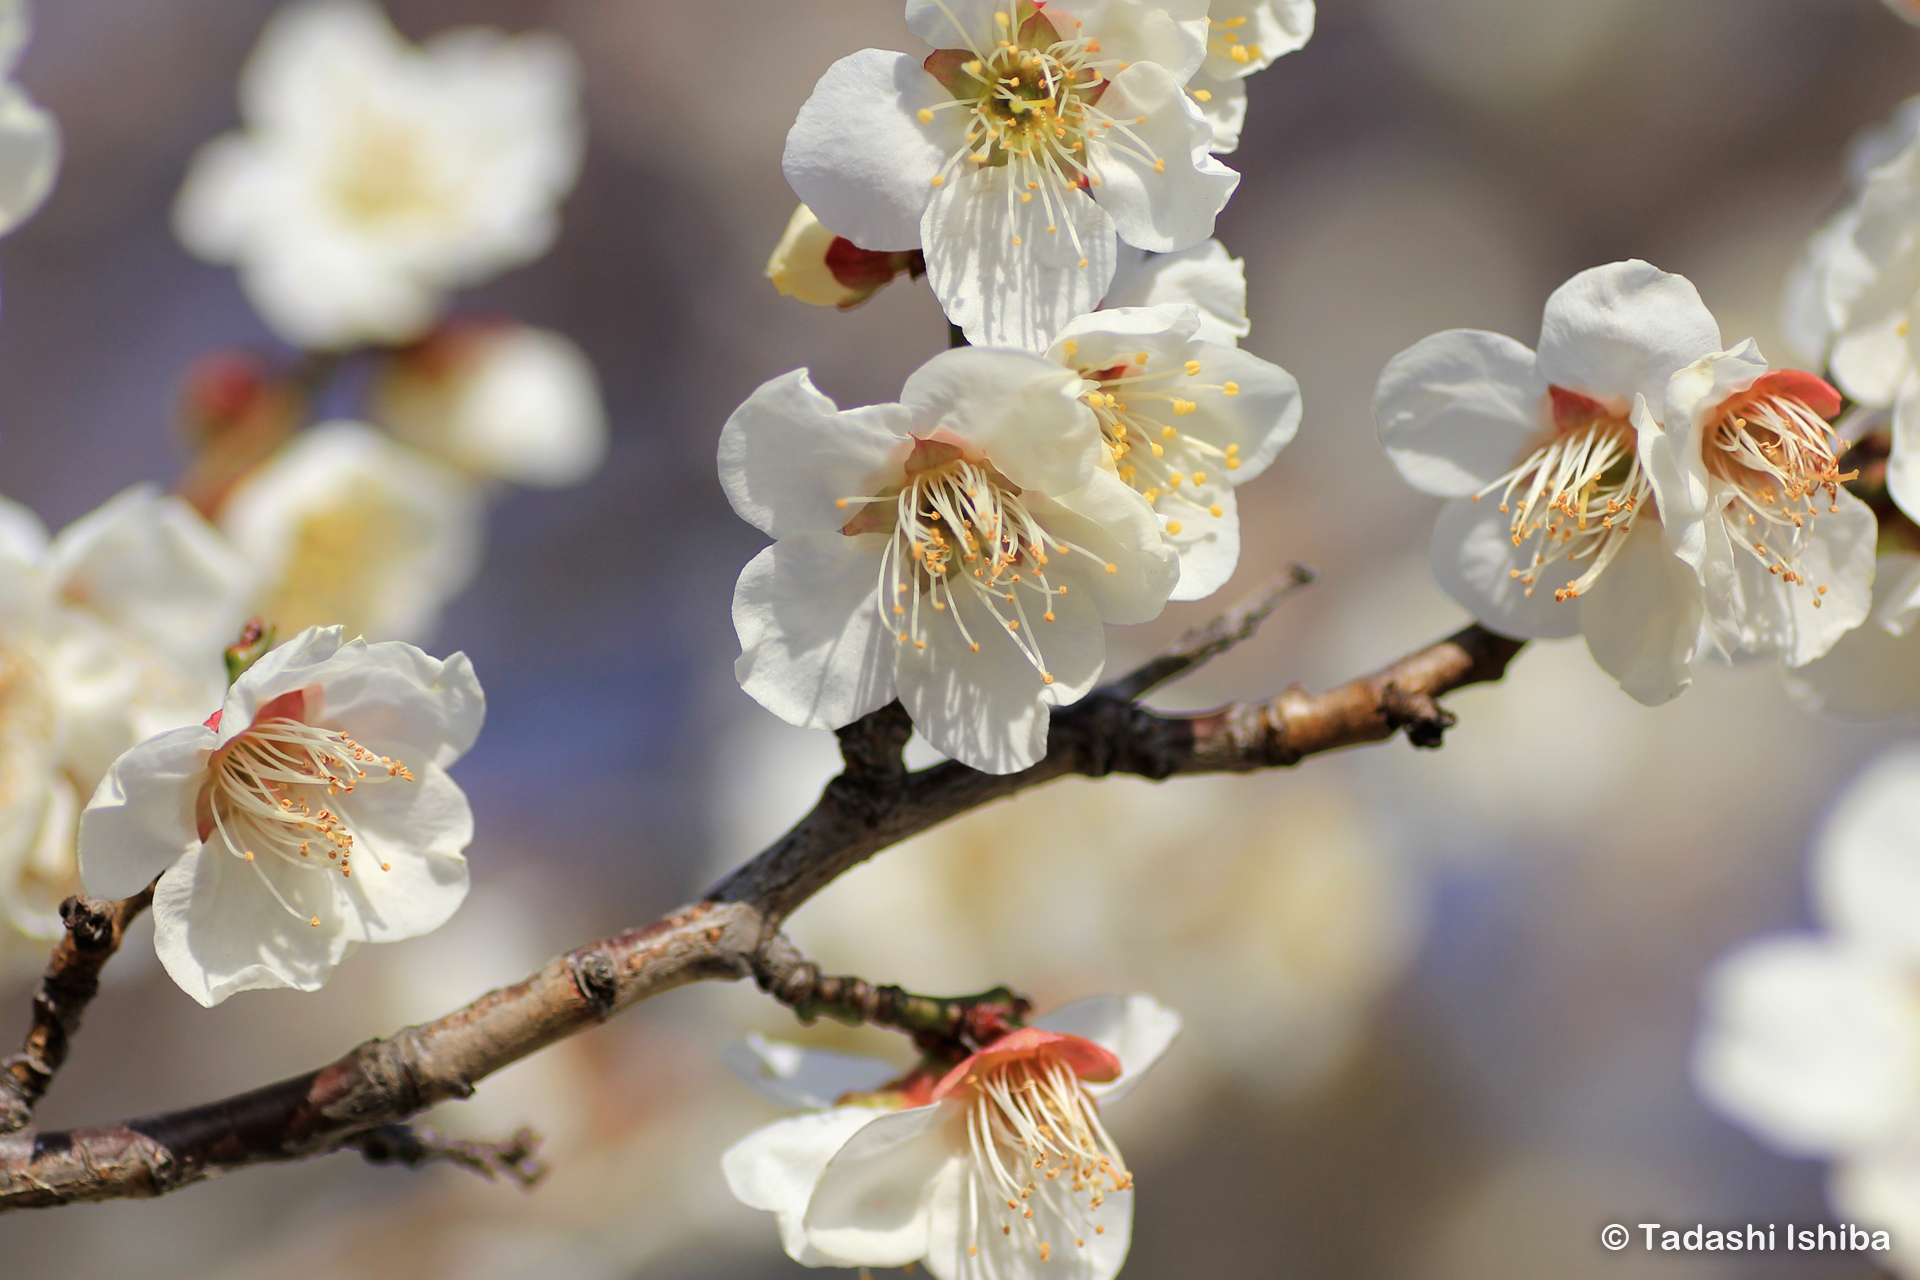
{"points": [[29, 135], [500, 401], [1186, 421], [1751, 497], [1873, 671], [1243, 36], [960, 551], [1553, 524], [342, 525], [328, 758], [1017, 152], [1203, 276], [1000, 1167], [372, 177]]}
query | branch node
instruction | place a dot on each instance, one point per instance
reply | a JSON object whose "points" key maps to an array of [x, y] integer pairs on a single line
{"points": [[1425, 720], [595, 973], [515, 1159]]}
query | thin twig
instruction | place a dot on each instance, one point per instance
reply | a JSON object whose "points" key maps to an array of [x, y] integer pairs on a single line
{"points": [[1200, 645], [95, 929], [967, 1022], [516, 1159]]}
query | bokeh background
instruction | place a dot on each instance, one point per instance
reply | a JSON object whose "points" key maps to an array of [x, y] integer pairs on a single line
{"points": [[1439, 1004]]}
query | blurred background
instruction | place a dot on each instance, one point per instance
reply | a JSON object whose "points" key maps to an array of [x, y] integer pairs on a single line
{"points": [[1439, 1004]]}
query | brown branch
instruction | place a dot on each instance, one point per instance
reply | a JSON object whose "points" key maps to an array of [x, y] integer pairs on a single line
{"points": [[516, 1159], [734, 931], [95, 929]]}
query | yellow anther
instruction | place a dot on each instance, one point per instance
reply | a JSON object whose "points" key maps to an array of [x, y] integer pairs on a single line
{"points": [[1233, 464], [1159, 165], [1173, 527], [840, 503], [1000, 17], [1215, 511], [1232, 389], [1193, 368], [315, 922], [1203, 95], [1199, 477], [1183, 406], [1240, 54], [1070, 347], [1140, 358], [1046, 677], [926, 115], [1111, 568], [1026, 197], [939, 180]]}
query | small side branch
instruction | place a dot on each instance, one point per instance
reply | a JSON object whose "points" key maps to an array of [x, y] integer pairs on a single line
{"points": [[1202, 644], [95, 929], [960, 1023], [516, 1159]]}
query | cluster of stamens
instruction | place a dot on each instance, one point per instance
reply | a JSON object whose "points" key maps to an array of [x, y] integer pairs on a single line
{"points": [[1223, 37], [1151, 454], [1036, 1139], [1779, 458], [1577, 493], [1032, 107], [267, 797]]}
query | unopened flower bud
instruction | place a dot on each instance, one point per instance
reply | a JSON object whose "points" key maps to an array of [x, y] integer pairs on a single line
{"points": [[235, 410], [825, 270]]}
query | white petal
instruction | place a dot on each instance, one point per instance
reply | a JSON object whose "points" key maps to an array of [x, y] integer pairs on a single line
{"points": [[1873, 671], [23, 536], [387, 694], [1006, 294], [219, 929], [1018, 411], [1135, 1028], [409, 871], [870, 1206], [1806, 319], [1474, 560], [1642, 617], [1157, 177], [1871, 288], [1208, 547], [963, 1217], [776, 1169], [989, 709], [1224, 109], [859, 156], [29, 155], [1624, 329], [1903, 466], [1866, 868], [789, 455], [1814, 1046], [1271, 29], [1113, 522], [141, 820], [808, 1078], [813, 648], [1260, 418], [1171, 33], [1881, 1190], [1456, 411], [1752, 611], [1203, 276]]}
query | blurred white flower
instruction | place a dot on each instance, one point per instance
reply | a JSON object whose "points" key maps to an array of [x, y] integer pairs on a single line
{"points": [[1243, 36], [1203, 277], [1016, 153], [1872, 672], [960, 551], [1186, 421], [1559, 436], [342, 525], [1751, 497], [822, 269], [996, 1167], [1908, 9], [1813, 1040], [372, 177], [504, 401], [325, 757], [29, 135]]}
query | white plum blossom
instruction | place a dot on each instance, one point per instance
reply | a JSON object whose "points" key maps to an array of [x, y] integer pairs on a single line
{"points": [[499, 401], [372, 177], [960, 550], [1185, 421], [1000, 1167], [1243, 36], [1204, 276], [1017, 152], [29, 135], [1873, 671], [327, 758], [1812, 1040], [343, 525], [1750, 496], [1553, 528], [821, 269]]}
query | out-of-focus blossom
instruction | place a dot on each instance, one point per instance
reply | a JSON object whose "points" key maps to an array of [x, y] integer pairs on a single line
{"points": [[1813, 1040], [1203, 276], [960, 551], [822, 269], [1908, 9], [345, 526], [1186, 421], [501, 401], [994, 1168], [1243, 36], [327, 757], [1873, 672], [1751, 497], [1015, 155], [372, 177], [1558, 437], [29, 135]]}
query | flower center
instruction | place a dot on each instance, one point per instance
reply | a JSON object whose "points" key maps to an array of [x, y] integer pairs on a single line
{"points": [[1150, 453], [382, 174], [342, 559], [1779, 458], [1578, 492], [1032, 108], [957, 525], [1037, 1141], [269, 790]]}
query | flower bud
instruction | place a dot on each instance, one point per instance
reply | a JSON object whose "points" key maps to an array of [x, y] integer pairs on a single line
{"points": [[825, 270]]}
